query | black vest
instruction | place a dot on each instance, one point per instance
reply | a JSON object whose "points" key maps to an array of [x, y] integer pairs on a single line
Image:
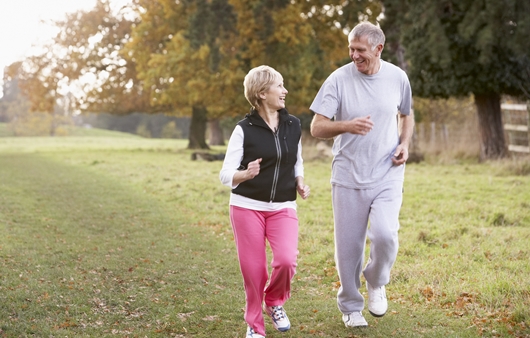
{"points": [[275, 181]]}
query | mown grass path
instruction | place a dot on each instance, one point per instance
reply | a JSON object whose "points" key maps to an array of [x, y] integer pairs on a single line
{"points": [[87, 252]]}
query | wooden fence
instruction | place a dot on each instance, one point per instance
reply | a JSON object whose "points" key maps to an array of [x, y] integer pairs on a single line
{"points": [[516, 119]]}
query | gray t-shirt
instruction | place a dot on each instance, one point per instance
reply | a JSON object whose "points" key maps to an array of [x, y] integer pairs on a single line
{"points": [[364, 162]]}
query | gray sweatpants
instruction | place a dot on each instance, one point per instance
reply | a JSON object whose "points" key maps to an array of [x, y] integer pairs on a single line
{"points": [[352, 209]]}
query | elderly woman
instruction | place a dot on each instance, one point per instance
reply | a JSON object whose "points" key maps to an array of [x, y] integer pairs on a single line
{"points": [[264, 168]]}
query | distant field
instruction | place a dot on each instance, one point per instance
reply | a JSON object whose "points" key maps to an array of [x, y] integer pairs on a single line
{"points": [[95, 132], [111, 236], [4, 131], [75, 131]]}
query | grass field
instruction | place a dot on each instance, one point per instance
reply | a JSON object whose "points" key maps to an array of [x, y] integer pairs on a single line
{"points": [[113, 236]]}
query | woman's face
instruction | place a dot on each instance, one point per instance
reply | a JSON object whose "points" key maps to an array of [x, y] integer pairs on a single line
{"points": [[274, 98]]}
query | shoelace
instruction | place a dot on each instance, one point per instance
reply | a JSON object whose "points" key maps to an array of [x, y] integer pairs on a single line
{"points": [[350, 319], [353, 316], [381, 292], [277, 312]]}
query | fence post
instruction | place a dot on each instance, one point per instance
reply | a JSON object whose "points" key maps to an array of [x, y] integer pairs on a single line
{"points": [[517, 123]]}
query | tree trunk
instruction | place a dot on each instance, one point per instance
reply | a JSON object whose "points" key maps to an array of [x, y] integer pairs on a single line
{"points": [[493, 145], [197, 138], [400, 55], [216, 133], [53, 124]]}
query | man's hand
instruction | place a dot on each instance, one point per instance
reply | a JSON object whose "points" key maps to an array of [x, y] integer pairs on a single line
{"points": [[401, 155], [322, 127], [360, 125]]}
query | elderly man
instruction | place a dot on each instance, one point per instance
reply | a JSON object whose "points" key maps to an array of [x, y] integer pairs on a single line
{"points": [[366, 107]]}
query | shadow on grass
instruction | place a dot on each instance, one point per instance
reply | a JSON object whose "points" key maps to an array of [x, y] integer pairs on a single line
{"points": [[85, 254]]}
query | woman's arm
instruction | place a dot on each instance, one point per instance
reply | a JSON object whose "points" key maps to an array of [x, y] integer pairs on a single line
{"points": [[230, 175]]}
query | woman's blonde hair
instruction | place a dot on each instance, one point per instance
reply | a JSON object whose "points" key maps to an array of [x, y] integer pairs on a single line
{"points": [[257, 81]]}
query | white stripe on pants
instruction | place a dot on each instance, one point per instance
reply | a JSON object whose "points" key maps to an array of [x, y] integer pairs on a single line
{"points": [[352, 209]]}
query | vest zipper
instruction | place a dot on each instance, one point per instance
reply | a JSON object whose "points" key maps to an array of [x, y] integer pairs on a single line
{"points": [[278, 161], [285, 142]]}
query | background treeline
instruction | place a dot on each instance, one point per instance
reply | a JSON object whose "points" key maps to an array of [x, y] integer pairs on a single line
{"points": [[187, 59]]}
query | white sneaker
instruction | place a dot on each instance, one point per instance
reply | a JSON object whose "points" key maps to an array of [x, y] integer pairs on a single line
{"points": [[280, 321], [252, 334], [354, 319], [377, 303]]}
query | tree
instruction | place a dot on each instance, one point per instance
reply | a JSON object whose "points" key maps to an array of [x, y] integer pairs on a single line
{"points": [[176, 48], [39, 79], [85, 62], [11, 93], [455, 48], [189, 57], [23, 119], [90, 47], [193, 55]]}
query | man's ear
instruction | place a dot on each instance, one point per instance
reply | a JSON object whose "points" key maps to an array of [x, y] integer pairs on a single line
{"points": [[379, 49]]}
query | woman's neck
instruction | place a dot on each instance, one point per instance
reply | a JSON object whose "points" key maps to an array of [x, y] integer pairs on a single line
{"points": [[271, 117]]}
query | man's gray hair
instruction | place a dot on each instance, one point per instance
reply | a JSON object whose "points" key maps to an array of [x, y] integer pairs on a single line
{"points": [[374, 34]]}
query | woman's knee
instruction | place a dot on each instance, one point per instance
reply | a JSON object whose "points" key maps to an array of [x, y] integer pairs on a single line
{"points": [[285, 261]]}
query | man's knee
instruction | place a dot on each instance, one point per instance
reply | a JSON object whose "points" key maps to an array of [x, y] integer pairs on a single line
{"points": [[385, 239]]}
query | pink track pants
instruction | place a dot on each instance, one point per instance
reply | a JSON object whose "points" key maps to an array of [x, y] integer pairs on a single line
{"points": [[251, 230]]}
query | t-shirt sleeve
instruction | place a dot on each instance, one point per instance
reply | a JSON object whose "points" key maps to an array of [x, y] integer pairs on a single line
{"points": [[326, 101], [406, 96]]}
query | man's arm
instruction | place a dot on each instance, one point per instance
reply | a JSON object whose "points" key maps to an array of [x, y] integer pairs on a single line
{"points": [[323, 127], [406, 123]]}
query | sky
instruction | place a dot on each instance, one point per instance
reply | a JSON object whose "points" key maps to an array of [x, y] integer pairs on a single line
{"points": [[25, 23]]}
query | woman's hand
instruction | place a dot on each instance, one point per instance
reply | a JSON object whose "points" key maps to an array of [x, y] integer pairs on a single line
{"points": [[253, 169], [247, 174], [303, 189]]}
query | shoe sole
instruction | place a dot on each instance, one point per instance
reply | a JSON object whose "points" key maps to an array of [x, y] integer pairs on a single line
{"points": [[365, 324], [357, 326], [376, 314]]}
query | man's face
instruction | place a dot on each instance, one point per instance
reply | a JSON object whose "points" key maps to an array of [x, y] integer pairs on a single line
{"points": [[364, 57]]}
